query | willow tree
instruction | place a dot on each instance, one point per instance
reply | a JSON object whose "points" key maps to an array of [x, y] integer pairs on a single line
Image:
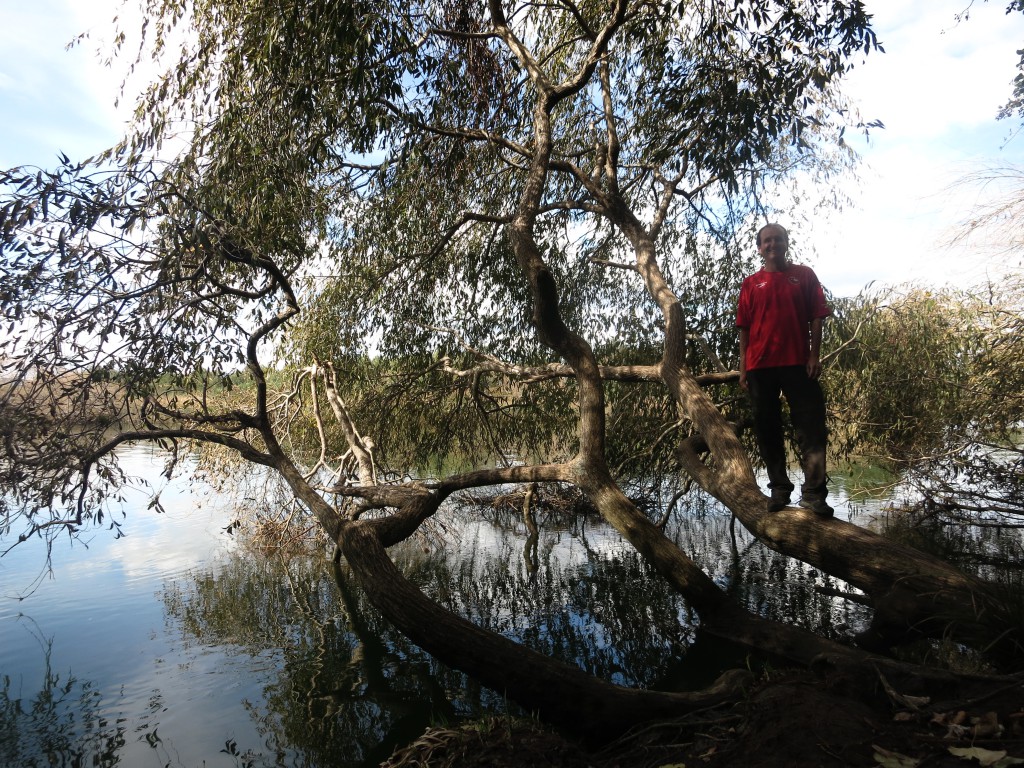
{"points": [[484, 209]]}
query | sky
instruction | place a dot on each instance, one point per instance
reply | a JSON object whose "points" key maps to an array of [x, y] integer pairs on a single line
{"points": [[51, 99], [937, 89]]}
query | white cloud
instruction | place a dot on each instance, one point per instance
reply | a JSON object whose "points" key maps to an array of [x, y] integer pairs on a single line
{"points": [[937, 88], [937, 73]]}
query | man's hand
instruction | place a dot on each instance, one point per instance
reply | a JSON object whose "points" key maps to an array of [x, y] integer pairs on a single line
{"points": [[744, 338], [814, 354], [813, 367]]}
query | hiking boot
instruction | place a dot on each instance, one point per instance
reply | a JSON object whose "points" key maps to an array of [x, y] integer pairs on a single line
{"points": [[778, 501], [817, 505]]}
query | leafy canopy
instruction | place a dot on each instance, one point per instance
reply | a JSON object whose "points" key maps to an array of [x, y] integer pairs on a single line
{"points": [[361, 162]]}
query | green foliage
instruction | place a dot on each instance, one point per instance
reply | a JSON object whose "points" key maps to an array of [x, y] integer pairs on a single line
{"points": [[1015, 105], [449, 423], [933, 384], [908, 371], [334, 182]]}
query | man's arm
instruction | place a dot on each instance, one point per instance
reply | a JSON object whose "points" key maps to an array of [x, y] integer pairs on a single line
{"points": [[814, 358], [744, 337]]}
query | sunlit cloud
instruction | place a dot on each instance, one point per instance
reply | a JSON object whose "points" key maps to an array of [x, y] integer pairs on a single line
{"points": [[937, 89]]}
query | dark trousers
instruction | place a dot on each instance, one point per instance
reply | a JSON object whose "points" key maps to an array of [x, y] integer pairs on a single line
{"points": [[807, 412]]}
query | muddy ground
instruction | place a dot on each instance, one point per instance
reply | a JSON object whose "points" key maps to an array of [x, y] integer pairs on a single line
{"points": [[832, 720]]}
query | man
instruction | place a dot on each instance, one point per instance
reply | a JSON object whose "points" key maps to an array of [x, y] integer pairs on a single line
{"points": [[780, 314]]}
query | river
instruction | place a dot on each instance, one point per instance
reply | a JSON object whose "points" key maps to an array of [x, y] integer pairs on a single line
{"points": [[172, 645]]}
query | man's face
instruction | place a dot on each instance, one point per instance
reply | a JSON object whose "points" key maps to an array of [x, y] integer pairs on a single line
{"points": [[773, 246]]}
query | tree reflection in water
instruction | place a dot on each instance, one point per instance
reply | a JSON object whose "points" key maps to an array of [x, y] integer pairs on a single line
{"points": [[348, 684], [341, 688], [62, 725]]}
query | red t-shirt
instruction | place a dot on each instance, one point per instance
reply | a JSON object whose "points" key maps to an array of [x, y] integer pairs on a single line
{"points": [[777, 308]]}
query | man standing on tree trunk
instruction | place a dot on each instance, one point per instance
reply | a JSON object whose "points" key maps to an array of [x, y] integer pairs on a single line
{"points": [[780, 314]]}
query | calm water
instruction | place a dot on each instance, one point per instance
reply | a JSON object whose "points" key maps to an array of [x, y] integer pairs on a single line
{"points": [[172, 646]]}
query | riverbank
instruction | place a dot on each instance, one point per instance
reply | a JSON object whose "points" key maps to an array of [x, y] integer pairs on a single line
{"points": [[827, 720]]}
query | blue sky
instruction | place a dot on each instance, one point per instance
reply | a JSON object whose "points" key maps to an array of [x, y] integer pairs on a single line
{"points": [[52, 99], [937, 89]]}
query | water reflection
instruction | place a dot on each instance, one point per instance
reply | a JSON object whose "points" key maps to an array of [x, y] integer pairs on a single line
{"points": [[339, 686], [345, 683], [243, 660], [62, 724]]}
